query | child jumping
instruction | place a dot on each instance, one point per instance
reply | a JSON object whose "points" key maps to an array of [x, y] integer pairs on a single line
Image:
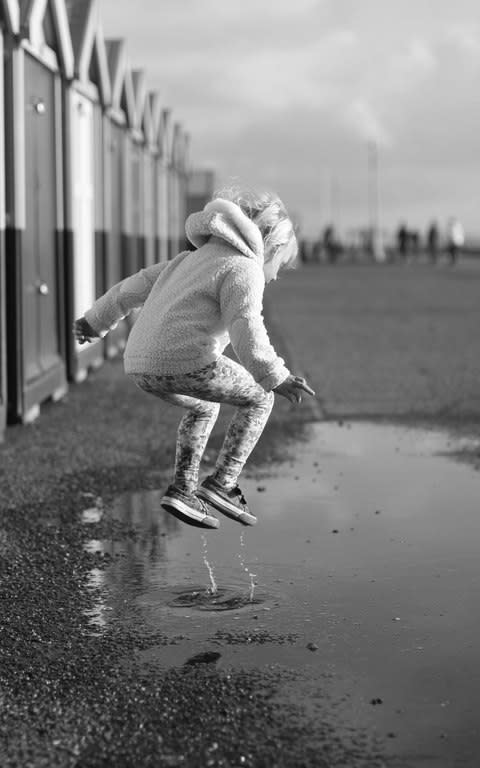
{"points": [[192, 307]]}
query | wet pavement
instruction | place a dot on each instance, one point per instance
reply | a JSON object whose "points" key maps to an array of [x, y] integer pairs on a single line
{"points": [[361, 580]]}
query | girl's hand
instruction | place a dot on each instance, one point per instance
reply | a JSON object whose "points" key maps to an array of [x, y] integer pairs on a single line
{"points": [[292, 388], [83, 331]]}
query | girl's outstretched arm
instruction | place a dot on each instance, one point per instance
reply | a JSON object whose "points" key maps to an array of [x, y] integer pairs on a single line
{"points": [[241, 305], [117, 303]]}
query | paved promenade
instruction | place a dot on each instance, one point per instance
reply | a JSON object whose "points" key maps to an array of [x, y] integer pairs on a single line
{"points": [[387, 340]]}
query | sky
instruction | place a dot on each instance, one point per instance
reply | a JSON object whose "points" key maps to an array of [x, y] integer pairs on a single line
{"points": [[292, 94]]}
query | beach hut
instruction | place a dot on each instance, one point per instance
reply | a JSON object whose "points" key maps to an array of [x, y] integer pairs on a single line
{"points": [[162, 215], [135, 255], [200, 188], [151, 117], [118, 121], [9, 17], [173, 191], [186, 169], [180, 166], [169, 182], [9, 26], [36, 61], [86, 98]]}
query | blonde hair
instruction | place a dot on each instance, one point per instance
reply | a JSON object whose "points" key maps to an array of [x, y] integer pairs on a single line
{"points": [[268, 212]]}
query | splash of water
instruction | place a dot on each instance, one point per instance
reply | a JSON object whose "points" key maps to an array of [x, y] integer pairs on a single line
{"points": [[251, 576], [212, 589]]}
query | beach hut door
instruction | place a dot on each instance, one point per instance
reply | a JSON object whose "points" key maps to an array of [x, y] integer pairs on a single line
{"points": [[41, 339], [83, 203]]}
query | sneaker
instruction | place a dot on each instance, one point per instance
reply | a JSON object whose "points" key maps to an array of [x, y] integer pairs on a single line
{"points": [[188, 508], [231, 502]]}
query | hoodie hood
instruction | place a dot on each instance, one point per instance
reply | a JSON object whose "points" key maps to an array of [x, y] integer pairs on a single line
{"points": [[227, 221]]}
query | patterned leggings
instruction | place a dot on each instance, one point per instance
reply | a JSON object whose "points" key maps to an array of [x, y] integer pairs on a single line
{"points": [[202, 392]]}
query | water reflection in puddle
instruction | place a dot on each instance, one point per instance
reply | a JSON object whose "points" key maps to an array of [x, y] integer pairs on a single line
{"points": [[92, 515]]}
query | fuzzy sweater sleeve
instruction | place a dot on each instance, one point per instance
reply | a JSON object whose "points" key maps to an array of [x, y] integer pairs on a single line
{"points": [[119, 300], [241, 306]]}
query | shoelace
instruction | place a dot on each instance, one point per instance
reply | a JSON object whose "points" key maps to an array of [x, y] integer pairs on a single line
{"points": [[201, 504]]}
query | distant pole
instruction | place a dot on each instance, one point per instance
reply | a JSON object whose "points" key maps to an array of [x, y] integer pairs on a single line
{"points": [[374, 202], [327, 197], [333, 200]]}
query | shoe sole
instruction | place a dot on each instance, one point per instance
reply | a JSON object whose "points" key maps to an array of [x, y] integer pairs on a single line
{"points": [[188, 515], [230, 510]]}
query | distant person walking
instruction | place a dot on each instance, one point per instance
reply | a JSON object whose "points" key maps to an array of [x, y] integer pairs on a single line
{"points": [[433, 240], [402, 241], [456, 239], [329, 244], [191, 308]]}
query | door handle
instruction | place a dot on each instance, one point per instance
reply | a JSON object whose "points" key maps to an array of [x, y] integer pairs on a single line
{"points": [[39, 107], [42, 289]]}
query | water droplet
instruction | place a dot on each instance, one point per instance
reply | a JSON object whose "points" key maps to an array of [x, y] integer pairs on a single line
{"points": [[213, 584]]}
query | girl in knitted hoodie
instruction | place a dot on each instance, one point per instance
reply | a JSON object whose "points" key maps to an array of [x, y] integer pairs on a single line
{"points": [[191, 308]]}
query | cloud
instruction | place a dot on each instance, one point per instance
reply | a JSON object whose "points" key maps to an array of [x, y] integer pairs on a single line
{"points": [[284, 92], [366, 123], [229, 89], [175, 31], [416, 62], [273, 78], [466, 37], [462, 46]]}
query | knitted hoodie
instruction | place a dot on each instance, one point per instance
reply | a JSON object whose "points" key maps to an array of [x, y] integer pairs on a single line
{"points": [[195, 304]]}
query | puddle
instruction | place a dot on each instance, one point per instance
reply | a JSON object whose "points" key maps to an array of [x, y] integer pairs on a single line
{"points": [[365, 556]]}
